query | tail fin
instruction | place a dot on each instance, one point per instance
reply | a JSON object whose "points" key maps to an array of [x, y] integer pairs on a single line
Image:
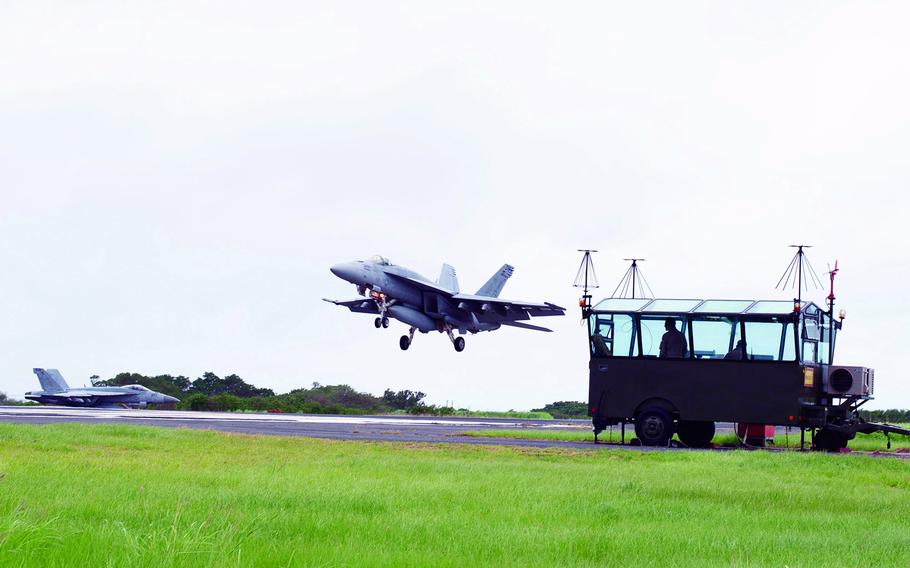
{"points": [[494, 285], [51, 380], [448, 279]]}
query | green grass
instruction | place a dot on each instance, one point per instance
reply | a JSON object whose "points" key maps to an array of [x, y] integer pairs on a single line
{"points": [[862, 442], [85, 495]]}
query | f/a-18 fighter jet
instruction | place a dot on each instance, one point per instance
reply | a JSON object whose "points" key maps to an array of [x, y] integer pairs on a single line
{"points": [[394, 291], [56, 391]]}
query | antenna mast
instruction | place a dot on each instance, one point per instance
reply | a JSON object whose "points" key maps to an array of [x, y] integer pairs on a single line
{"points": [[797, 271], [586, 278], [631, 279]]}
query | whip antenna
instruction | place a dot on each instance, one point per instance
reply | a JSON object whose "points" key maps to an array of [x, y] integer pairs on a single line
{"points": [[586, 278]]}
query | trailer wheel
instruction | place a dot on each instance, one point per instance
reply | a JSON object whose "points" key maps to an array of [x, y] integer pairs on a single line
{"points": [[828, 440], [654, 426], [695, 434]]}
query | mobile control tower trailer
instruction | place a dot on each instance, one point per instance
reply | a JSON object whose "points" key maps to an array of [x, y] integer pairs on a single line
{"points": [[745, 361]]}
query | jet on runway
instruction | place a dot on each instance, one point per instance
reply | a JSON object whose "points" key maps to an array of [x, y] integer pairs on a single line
{"points": [[394, 291], [56, 391]]}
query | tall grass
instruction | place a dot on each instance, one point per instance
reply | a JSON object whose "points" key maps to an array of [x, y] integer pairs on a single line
{"points": [[86, 495]]}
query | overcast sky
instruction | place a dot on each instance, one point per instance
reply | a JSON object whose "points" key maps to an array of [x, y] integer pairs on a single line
{"points": [[177, 178]]}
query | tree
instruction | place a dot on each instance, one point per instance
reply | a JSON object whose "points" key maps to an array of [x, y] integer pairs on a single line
{"points": [[403, 399]]}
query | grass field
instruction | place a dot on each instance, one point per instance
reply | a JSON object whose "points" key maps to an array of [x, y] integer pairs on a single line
{"points": [[80, 495], [862, 442]]}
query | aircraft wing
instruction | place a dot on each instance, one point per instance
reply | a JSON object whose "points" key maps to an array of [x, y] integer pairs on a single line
{"points": [[526, 326], [360, 305], [73, 393], [503, 307]]}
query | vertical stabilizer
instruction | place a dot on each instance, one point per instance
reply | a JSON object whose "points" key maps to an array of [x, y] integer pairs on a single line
{"points": [[494, 285], [51, 380], [448, 279]]}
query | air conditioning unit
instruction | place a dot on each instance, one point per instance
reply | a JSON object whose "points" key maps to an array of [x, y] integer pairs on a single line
{"points": [[843, 381]]}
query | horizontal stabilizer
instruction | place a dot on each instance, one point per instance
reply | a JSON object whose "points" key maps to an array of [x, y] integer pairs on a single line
{"points": [[525, 326]]}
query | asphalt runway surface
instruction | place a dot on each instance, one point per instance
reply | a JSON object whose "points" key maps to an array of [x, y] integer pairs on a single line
{"points": [[346, 427]]}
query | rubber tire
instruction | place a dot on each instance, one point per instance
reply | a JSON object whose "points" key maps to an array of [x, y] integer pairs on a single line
{"points": [[826, 440], [377, 323], [459, 344], [385, 322], [695, 434], [654, 426], [404, 342]]}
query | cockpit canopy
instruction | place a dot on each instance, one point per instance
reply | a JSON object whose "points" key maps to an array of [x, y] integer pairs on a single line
{"points": [[381, 260], [136, 388]]}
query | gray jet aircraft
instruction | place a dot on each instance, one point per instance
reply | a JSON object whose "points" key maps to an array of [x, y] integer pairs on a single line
{"points": [[394, 291], [56, 391]]}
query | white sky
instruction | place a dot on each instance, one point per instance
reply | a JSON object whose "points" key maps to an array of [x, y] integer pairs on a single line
{"points": [[177, 177]]}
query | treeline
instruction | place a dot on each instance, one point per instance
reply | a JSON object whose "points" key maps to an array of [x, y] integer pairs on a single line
{"points": [[565, 409], [232, 393], [892, 416]]}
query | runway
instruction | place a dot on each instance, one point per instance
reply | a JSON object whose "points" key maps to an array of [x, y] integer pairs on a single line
{"points": [[339, 427]]}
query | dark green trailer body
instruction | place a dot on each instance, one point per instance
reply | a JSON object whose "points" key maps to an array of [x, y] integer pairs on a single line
{"points": [[745, 361]]}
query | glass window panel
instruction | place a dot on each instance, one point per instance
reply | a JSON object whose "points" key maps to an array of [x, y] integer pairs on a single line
{"points": [[723, 306], [716, 337], [809, 351], [825, 339], [770, 340], [811, 329], [613, 335], [671, 305], [621, 304], [654, 335], [781, 307]]}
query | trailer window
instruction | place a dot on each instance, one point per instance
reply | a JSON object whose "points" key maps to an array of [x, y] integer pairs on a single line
{"points": [[653, 330], [716, 337], [771, 339], [613, 335]]}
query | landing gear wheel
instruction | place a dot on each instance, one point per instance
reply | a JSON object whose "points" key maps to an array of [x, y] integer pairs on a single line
{"points": [[377, 322], [695, 434], [404, 342], [654, 426], [459, 344], [384, 322], [827, 440]]}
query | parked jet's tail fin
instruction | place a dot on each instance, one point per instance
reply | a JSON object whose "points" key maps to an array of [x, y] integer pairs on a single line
{"points": [[448, 279], [494, 285], [51, 380]]}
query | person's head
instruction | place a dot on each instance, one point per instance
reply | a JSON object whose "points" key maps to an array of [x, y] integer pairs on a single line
{"points": [[670, 323]]}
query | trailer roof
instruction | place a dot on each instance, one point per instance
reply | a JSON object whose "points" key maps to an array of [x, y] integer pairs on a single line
{"points": [[689, 306]]}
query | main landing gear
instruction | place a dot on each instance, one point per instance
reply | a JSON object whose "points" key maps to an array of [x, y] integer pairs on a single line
{"points": [[406, 340], [457, 342]]}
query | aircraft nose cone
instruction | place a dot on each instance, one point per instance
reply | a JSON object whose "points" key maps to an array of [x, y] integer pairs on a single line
{"points": [[345, 271], [170, 399]]}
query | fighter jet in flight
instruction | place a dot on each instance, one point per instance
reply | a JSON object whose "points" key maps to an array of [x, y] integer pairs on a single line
{"points": [[425, 306], [56, 391]]}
